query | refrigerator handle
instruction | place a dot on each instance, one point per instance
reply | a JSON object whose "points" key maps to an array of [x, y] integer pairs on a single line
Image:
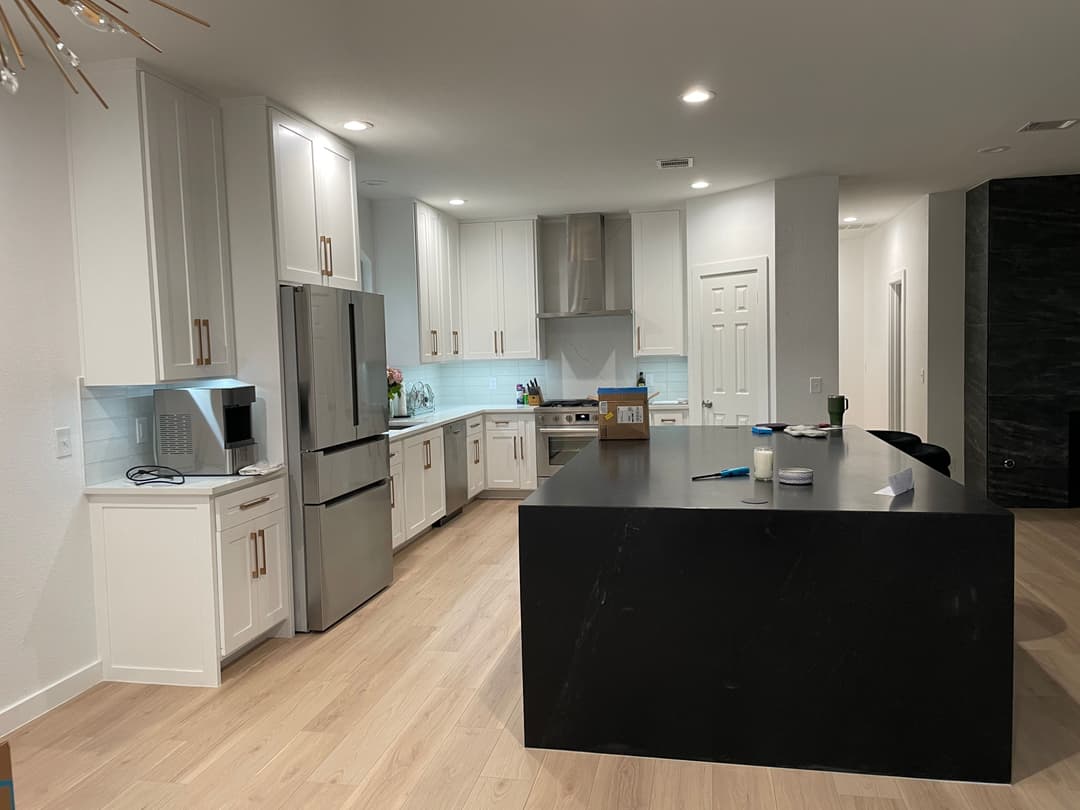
{"points": [[352, 364]]}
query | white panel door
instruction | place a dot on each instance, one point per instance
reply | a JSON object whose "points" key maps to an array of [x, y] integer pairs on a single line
{"points": [[180, 329], [480, 291], [516, 259], [435, 478], [238, 591], [208, 235], [275, 595], [659, 272], [501, 459], [397, 506], [731, 325], [301, 256], [337, 216]]}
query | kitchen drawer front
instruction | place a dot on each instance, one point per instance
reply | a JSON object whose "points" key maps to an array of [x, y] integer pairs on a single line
{"points": [[474, 425], [660, 418], [495, 421], [249, 503]]}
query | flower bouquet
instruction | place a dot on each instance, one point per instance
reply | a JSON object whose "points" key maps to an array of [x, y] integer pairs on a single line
{"points": [[394, 379]]}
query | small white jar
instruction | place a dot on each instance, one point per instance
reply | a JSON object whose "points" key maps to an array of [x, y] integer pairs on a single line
{"points": [[763, 463]]}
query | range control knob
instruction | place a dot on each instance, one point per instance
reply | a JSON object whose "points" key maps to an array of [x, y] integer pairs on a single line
{"points": [[568, 418]]}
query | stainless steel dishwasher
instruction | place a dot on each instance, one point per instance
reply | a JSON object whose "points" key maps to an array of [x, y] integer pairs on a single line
{"points": [[457, 469]]}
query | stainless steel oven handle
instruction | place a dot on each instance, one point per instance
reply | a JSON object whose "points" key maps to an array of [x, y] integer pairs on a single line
{"points": [[569, 432]]}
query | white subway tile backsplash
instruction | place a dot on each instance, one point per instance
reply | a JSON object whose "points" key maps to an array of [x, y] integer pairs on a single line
{"points": [[108, 430]]}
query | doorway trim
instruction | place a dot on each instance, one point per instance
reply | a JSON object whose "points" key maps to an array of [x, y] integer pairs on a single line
{"points": [[758, 264], [896, 384]]}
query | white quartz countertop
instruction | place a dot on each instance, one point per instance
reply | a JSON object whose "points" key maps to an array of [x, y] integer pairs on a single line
{"points": [[443, 416], [201, 485]]}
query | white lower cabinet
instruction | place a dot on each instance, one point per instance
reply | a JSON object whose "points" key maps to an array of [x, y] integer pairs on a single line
{"points": [[184, 579], [475, 446], [510, 451], [397, 491], [423, 481], [661, 418]]}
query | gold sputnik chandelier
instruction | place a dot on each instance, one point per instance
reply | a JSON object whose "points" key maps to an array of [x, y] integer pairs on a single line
{"points": [[91, 13]]}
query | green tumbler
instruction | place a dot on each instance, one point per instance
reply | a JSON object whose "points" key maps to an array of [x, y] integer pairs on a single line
{"points": [[838, 403]]}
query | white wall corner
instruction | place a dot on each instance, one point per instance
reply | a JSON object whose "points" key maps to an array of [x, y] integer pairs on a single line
{"points": [[45, 700]]}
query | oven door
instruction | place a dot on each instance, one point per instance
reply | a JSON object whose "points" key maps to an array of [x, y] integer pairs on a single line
{"points": [[556, 447]]}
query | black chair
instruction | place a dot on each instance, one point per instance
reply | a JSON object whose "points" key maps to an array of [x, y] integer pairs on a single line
{"points": [[933, 456]]}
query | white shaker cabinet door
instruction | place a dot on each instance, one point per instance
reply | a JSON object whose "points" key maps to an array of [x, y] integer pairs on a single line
{"points": [[238, 600], [659, 284], [301, 254], [337, 215], [527, 452], [275, 595], [516, 258], [397, 506], [501, 459], [414, 467], [480, 291]]}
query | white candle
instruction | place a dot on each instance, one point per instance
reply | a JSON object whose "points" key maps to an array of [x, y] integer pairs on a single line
{"points": [[763, 463]]}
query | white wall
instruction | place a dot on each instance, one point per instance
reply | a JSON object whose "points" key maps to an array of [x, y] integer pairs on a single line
{"points": [[806, 298], [733, 224], [945, 326], [895, 246], [47, 629], [851, 327]]}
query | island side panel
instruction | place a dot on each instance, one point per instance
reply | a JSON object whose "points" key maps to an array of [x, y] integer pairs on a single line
{"points": [[867, 642]]}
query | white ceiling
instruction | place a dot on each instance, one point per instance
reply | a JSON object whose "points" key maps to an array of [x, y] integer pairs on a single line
{"points": [[558, 105]]}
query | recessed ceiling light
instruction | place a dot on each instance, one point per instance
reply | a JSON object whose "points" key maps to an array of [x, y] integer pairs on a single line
{"points": [[851, 219], [994, 150], [457, 201], [699, 184], [358, 126], [698, 95], [1046, 126], [374, 181]]}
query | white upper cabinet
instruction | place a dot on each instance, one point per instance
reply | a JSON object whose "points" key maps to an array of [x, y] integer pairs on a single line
{"points": [[315, 205], [498, 289], [659, 284], [416, 269], [149, 206]]}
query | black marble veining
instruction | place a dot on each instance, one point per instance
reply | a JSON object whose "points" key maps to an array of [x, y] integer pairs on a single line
{"points": [[830, 628], [1023, 340]]}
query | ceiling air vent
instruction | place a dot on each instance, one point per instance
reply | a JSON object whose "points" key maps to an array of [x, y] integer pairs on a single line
{"points": [[1048, 126], [675, 163]]}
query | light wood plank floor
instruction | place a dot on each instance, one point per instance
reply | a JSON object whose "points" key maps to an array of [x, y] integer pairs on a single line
{"points": [[415, 702]]}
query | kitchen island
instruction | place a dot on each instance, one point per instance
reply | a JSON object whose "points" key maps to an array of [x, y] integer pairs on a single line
{"points": [[828, 628]]}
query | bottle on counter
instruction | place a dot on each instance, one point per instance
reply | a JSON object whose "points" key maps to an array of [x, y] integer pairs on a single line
{"points": [[641, 380]]}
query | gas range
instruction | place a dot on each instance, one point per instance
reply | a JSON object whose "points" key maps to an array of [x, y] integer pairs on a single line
{"points": [[581, 414]]}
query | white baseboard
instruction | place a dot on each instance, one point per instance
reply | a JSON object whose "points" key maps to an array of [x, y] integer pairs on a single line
{"points": [[44, 700]]}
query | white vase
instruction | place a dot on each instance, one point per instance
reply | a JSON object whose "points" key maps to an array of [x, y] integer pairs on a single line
{"points": [[401, 407]]}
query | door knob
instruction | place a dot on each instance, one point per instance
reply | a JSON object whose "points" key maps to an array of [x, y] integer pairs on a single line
{"points": [[706, 403]]}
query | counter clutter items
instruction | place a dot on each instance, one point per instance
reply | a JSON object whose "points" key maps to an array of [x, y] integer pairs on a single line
{"points": [[808, 431]]}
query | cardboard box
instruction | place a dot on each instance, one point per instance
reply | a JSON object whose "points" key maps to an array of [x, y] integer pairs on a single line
{"points": [[7, 787], [624, 413]]}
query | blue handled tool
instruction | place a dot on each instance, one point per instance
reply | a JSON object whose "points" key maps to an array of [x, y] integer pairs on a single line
{"points": [[730, 472]]}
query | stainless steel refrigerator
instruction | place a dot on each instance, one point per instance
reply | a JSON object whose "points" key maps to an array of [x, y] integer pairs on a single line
{"points": [[334, 355]]}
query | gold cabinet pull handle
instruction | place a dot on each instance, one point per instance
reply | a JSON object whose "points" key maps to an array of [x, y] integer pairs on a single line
{"points": [[668, 421], [434, 343], [502, 339], [515, 449], [255, 551], [322, 256], [330, 250], [198, 331], [639, 338], [262, 539], [209, 359], [454, 342], [393, 496], [495, 337], [251, 504]]}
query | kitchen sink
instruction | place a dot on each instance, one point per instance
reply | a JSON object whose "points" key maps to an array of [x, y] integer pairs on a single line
{"points": [[404, 425]]}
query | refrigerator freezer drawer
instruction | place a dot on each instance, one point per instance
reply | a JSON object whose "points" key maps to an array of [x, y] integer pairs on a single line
{"points": [[329, 474], [349, 558]]}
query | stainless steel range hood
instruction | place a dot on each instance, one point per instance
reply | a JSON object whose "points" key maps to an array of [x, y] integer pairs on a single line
{"points": [[574, 281]]}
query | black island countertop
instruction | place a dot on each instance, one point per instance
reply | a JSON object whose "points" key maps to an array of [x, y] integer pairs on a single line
{"points": [[830, 628], [849, 467]]}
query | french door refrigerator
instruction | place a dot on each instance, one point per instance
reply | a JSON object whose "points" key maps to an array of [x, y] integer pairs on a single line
{"points": [[336, 411]]}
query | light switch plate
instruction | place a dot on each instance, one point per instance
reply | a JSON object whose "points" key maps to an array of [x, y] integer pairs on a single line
{"points": [[142, 425], [63, 442], [492, 383], [815, 385]]}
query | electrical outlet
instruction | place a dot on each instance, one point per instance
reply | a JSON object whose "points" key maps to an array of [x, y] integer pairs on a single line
{"points": [[63, 442], [142, 425], [815, 385], [492, 384]]}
